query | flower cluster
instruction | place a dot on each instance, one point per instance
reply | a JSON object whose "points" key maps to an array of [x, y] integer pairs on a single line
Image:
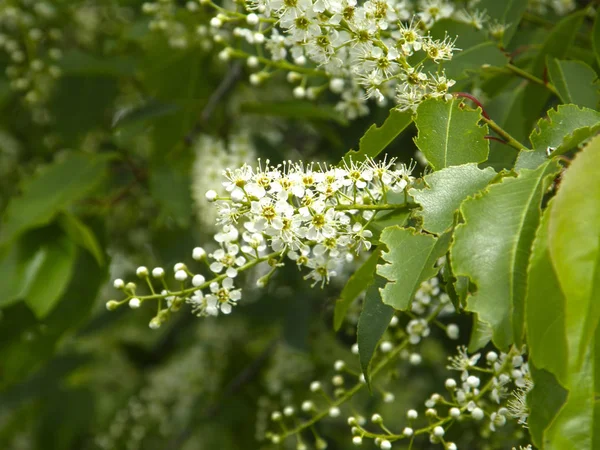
{"points": [[491, 395], [213, 156], [30, 35], [380, 49], [317, 216], [488, 394]]}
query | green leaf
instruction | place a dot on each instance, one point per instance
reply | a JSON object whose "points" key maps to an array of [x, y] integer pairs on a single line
{"points": [[172, 190], [376, 139], [565, 128], [295, 110], [545, 309], [76, 62], [508, 12], [557, 45], [50, 273], [411, 259], [473, 58], [446, 189], [492, 248], [450, 135], [481, 335], [572, 428], [21, 356], [575, 81], [356, 284], [544, 400], [372, 323], [82, 235], [15, 262], [574, 243], [596, 38], [52, 190]]}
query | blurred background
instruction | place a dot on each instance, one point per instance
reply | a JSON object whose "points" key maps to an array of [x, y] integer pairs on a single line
{"points": [[112, 127]]}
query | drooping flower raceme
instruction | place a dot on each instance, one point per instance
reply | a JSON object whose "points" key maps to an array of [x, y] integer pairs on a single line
{"points": [[213, 156], [316, 216]]}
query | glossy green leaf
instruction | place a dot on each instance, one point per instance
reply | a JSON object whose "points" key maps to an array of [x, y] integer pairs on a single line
{"points": [[82, 235], [295, 110], [445, 191], [372, 323], [565, 128], [575, 81], [411, 259], [52, 190], [492, 248], [574, 243], [377, 139], [545, 309], [356, 284], [450, 135], [49, 274], [507, 12]]}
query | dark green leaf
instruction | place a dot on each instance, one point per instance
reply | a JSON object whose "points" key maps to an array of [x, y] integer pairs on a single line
{"points": [[596, 38], [508, 12], [82, 235], [545, 400], [574, 243], [576, 82], [21, 356], [356, 284], [572, 428], [50, 273], [411, 259], [172, 190], [52, 190], [295, 110], [450, 135], [372, 323], [492, 248], [557, 45], [376, 139], [473, 58], [446, 189]]}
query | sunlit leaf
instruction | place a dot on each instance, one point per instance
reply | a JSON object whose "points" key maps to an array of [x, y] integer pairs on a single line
{"points": [[411, 259], [492, 248], [450, 135], [445, 191]]}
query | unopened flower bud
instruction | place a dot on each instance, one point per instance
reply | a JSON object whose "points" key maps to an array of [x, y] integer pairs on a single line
{"points": [[134, 303]]}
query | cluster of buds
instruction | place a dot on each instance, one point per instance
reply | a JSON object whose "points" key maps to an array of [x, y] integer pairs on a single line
{"points": [[30, 35], [317, 216], [330, 400], [491, 394]]}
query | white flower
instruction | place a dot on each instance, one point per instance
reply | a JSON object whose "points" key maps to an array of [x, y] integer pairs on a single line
{"points": [[222, 297], [227, 260]]}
